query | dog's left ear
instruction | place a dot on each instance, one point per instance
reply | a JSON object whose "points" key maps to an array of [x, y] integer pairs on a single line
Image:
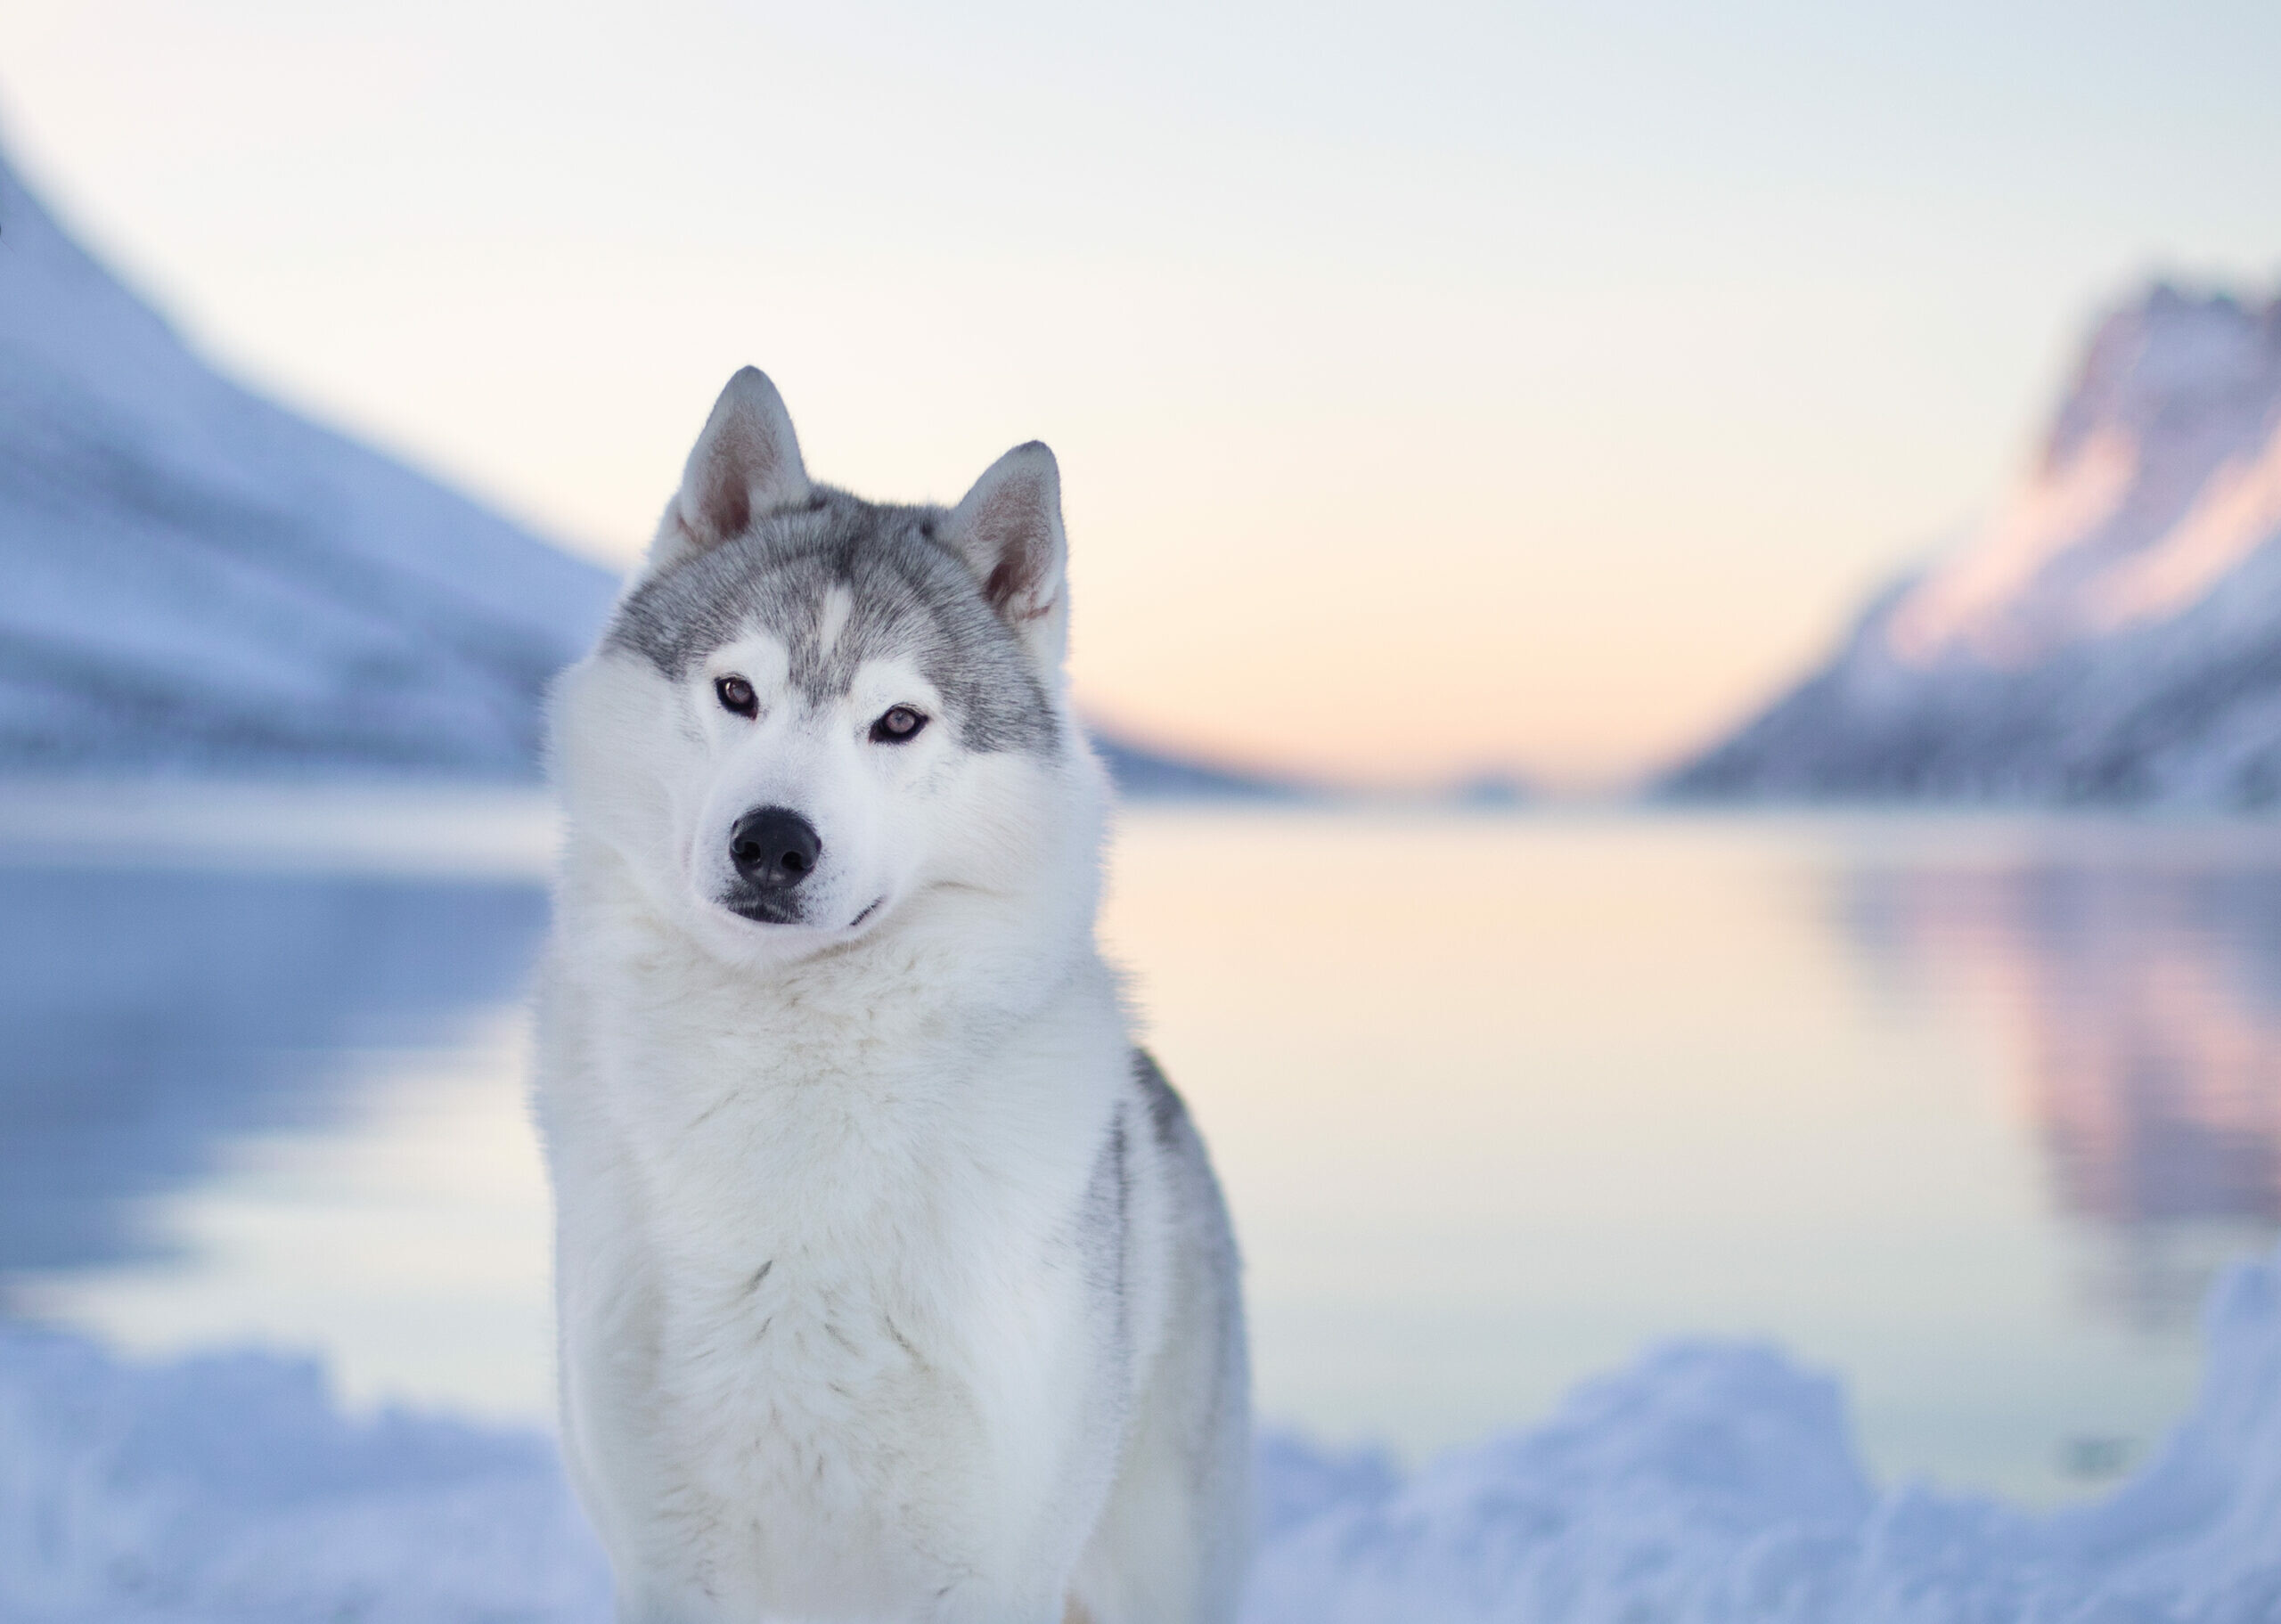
{"points": [[1008, 529]]}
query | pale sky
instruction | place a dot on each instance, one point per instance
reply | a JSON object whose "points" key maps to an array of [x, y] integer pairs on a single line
{"points": [[1436, 386]]}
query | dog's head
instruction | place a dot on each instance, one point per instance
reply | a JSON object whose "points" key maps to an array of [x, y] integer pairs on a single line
{"points": [[809, 709]]}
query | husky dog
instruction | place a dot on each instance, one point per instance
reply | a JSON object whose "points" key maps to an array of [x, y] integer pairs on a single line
{"points": [[893, 1282]]}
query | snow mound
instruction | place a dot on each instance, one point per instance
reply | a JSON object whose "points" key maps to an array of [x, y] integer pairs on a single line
{"points": [[1717, 1485], [232, 1487], [1707, 1484], [2112, 633], [192, 577]]}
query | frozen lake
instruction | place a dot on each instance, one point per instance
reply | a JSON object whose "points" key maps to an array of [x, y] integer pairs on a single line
{"points": [[1965, 1110]]}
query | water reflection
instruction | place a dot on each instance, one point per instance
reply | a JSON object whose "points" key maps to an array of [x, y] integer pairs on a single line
{"points": [[2139, 997], [1571, 1087], [149, 1019]]}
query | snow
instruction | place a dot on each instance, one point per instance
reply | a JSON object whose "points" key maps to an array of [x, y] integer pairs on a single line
{"points": [[2109, 634], [2177, 402], [231, 1486], [1707, 1482], [195, 578]]}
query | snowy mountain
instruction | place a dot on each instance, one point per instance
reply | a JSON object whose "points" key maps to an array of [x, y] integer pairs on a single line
{"points": [[2112, 633], [1146, 773], [195, 579]]}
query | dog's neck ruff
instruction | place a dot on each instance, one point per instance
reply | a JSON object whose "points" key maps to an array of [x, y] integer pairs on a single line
{"points": [[943, 967]]}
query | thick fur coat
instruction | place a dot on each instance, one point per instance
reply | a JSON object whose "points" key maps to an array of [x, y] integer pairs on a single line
{"points": [[893, 1281]]}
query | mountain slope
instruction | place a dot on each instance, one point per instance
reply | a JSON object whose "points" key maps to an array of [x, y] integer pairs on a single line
{"points": [[193, 578], [1143, 772], [2113, 634]]}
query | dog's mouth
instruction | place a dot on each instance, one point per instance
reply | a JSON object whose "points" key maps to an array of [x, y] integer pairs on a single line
{"points": [[762, 908]]}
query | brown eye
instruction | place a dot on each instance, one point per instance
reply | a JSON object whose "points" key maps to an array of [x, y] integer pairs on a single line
{"points": [[736, 695], [900, 725]]}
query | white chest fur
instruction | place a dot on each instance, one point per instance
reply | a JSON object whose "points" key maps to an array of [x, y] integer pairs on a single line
{"points": [[846, 1329]]}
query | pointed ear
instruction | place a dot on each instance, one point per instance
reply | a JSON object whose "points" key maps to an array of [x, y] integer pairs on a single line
{"points": [[746, 463], [1008, 529]]}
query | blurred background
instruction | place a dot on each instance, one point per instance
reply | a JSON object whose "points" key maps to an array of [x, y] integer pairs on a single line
{"points": [[1770, 521]]}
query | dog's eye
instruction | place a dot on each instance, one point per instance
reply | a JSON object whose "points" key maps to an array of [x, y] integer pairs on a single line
{"points": [[736, 695], [898, 726]]}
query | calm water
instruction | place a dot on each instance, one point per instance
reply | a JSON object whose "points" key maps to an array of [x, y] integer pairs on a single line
{"points": [[1967, 1111]]}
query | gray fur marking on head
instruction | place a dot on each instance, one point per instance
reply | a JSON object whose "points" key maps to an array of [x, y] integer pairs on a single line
{"points": [[911, 596]]}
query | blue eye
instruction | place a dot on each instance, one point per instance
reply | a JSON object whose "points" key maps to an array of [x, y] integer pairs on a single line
{"points": [[898, 726]]}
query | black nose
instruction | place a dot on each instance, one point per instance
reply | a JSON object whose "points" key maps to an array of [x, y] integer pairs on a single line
{"points": [[774, 848]]}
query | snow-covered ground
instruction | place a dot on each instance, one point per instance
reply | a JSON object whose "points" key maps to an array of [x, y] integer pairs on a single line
{"points": [[1707, 1482]]}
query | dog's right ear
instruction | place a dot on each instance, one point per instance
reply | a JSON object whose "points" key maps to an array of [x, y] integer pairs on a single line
{"points": [[745, 464]]}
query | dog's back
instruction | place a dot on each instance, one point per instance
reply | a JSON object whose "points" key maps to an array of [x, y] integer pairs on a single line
{"points": [[1175, 1539]]}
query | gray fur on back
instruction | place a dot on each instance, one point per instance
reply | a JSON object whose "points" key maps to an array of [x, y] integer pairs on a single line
{"points": [[1209, 1430], [911, 597]]}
